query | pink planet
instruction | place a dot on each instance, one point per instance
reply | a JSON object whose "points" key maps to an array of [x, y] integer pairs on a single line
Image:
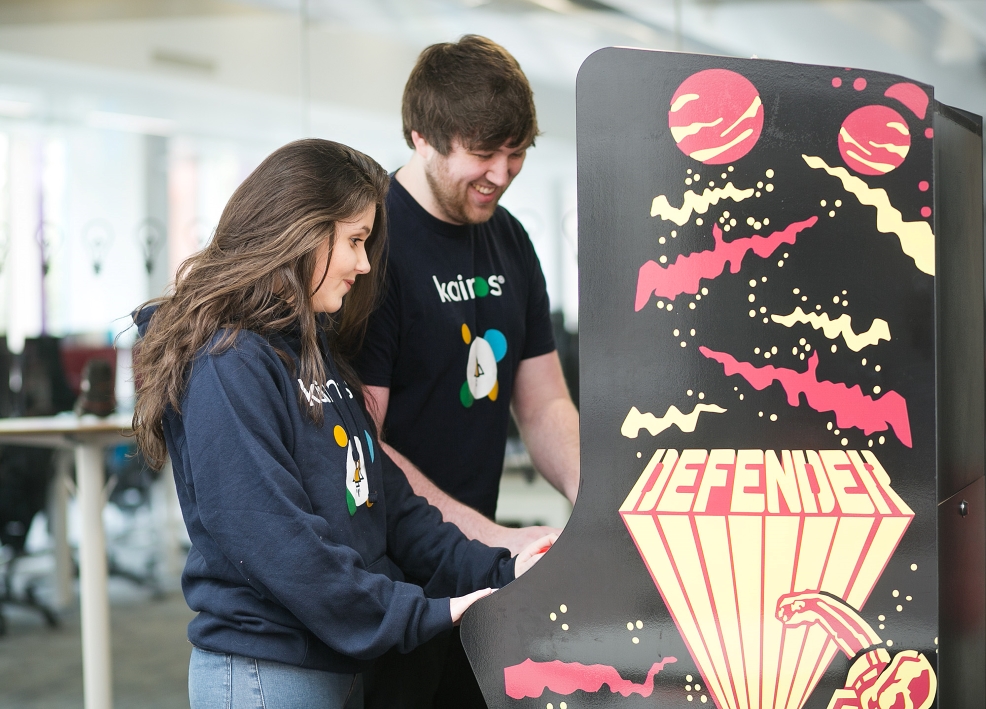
{"points": [[716, 116], [874, 140]]}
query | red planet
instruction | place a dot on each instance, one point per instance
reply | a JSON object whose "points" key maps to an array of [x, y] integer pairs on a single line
{"points": [[716, 116], [874, 140]]}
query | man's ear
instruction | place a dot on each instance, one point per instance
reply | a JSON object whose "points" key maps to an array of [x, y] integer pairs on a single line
{"points": [[421, 145]]}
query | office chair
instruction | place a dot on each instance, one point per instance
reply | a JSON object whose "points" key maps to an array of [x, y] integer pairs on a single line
{"points": [[129, 482], [26, 472], [24, 477]]}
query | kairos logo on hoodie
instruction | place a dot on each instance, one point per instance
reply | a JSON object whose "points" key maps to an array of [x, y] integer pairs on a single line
{"points": [[357, 485], [322, 393], [460, 288]]}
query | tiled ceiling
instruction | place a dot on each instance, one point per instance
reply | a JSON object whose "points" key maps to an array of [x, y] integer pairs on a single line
{"points": [[359, 51], [941, 42]]}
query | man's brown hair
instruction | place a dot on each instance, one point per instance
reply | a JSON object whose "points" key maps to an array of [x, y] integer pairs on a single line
{"points": [[472, 90]]}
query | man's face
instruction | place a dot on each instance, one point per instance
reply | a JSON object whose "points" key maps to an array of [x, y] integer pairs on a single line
{"points": [[468, 182]]}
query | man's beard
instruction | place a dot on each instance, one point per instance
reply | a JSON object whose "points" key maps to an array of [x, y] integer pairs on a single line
{"points": [[453, 200]]}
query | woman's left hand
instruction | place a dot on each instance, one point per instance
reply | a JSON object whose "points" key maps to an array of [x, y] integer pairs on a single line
{"points": [[532, 553]]}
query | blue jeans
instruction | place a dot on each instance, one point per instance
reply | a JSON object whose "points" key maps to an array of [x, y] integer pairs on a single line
{"points": [[220, 681]]}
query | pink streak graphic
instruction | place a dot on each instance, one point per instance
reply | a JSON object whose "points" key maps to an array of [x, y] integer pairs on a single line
{"points": [[910, 95], [685, 274], [851, 406], [531, 679]]}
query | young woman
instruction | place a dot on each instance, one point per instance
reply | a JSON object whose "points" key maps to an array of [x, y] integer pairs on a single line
{"points": [[303, 531]]}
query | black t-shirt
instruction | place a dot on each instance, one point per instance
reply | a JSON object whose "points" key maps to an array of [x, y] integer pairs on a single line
{"points": [[463, 306]]}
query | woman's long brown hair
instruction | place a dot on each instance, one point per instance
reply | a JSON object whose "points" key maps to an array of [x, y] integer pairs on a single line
{"points": [[257, 275]]}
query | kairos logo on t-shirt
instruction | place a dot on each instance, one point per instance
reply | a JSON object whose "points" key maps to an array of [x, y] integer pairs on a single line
{"points": [[460, 289]]}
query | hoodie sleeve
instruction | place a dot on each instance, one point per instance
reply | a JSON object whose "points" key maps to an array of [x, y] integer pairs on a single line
{"points": [[433, 551], [252, 504]]}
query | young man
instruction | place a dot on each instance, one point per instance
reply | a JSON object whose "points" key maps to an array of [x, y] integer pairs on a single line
{"points": [[463, 336]]}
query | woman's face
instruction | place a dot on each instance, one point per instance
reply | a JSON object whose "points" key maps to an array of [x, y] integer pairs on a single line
{"points": [[348, 260]]}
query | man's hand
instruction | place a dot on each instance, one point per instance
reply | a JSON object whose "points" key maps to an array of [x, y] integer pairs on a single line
{"points": [[532, 553], [516, 539]]}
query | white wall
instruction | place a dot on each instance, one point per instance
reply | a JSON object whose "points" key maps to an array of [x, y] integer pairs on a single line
{"points": [[226, 89]]}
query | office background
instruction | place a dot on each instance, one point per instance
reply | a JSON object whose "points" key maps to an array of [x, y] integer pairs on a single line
{"points": [[126, 125]]}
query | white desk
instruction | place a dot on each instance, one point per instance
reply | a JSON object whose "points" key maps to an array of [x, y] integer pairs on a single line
{"points": [[87, 436]]}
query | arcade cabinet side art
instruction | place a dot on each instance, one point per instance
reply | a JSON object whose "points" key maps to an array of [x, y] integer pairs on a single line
{"points": [[756, 526], [961, 411]]}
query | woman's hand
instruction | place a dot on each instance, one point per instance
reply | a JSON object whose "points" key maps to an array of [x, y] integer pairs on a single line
{"points": [[459, 604], [528, 556], [532, 553]]}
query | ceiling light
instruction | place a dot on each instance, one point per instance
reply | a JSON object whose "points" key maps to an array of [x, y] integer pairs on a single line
{"points": [[130, 123], [15, 109]]}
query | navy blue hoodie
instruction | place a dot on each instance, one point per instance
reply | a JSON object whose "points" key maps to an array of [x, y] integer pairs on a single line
{"points": [[302, 536]]}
